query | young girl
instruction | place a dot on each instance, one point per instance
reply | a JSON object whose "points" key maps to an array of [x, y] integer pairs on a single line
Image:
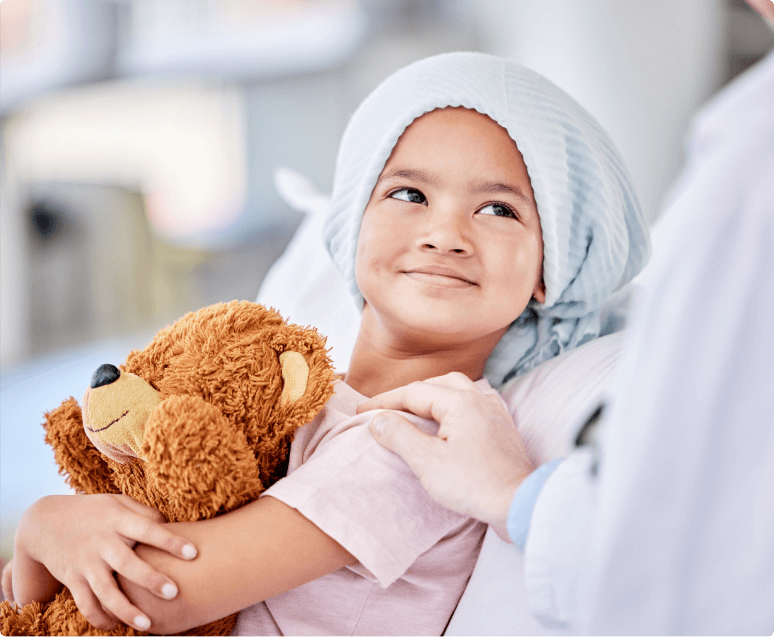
{"points": [[481, 218]]}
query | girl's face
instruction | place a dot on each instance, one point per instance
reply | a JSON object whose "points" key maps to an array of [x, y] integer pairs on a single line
{"points": [[450, 248]]}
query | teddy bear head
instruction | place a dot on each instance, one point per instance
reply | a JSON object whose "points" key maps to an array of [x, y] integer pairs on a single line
{"points": [[232, 378]]}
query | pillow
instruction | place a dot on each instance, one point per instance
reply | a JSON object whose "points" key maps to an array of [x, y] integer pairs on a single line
{"points": [[551, 401], [304, 285], [548, 404]]}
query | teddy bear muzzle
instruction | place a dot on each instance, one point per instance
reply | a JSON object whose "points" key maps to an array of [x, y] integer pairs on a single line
{"points": [[116, 407]]}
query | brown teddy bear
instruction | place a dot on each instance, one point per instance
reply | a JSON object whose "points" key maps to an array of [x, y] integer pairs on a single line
{"points": [[196, 424]]}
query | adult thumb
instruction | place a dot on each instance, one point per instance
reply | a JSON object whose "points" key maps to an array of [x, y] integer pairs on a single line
{"points": [[396, 433]]}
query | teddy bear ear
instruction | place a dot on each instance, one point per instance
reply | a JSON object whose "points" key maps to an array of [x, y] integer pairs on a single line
{"points": [[84, 468], [295, 376], [307, 377]]}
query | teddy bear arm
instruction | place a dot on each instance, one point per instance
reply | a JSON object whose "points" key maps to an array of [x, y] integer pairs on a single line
{"points": [[83, 466], [198, 459]]}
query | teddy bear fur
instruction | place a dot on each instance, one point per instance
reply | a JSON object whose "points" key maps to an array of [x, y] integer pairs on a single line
{"points": [[219, 436]]}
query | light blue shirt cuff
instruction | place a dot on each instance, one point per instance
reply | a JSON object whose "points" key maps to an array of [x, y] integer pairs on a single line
{"points": [[520, 511]]}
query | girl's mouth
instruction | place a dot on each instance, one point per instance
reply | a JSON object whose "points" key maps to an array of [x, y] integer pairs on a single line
{"points": [[440, 280], [439, 275]]}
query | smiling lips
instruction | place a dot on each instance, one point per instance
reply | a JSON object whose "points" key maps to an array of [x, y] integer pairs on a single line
{"points": [[439, 275]]}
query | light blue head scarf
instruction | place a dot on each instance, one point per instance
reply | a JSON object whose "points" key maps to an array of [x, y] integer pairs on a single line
{"points": [[595, 238]]}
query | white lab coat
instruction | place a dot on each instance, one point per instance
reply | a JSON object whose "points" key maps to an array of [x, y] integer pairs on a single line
{"points": [[676, 533]]}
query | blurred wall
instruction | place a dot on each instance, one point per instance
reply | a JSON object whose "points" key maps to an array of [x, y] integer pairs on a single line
{"points": [[192, 107], [184, 108]]}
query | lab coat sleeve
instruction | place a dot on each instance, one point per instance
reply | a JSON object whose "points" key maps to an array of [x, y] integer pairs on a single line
{"points": [[556, 552]]}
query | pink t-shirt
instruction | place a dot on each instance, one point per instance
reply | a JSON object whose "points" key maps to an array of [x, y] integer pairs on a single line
{"points": [[414, 555]]}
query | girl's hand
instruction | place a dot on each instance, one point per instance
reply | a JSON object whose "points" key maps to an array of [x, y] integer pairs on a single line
{"points": [[82, 540], [476, 461], [7, 583]]}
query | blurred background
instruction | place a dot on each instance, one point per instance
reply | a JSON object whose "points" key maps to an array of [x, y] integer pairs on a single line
{"points": [[139, 138]]}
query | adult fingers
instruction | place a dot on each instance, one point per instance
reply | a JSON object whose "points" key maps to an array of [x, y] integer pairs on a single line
{"points": [[397, 434], [431, 458], [145, 529], [453, 380], [421, 398]]}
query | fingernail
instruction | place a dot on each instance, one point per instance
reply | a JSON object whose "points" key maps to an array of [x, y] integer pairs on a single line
{"points": [[189, 551], [169, 590], [141, 623], [378, 423]]}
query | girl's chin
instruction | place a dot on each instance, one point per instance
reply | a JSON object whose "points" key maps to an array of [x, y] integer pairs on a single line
{"points": [[442, 334], [432, 324]]}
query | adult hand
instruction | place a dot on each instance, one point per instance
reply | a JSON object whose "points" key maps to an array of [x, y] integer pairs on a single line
{"points": [[475, 462], [81, 540]]}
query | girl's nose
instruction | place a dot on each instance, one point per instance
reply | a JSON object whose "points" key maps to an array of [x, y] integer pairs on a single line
{"points": [[447, 232]]}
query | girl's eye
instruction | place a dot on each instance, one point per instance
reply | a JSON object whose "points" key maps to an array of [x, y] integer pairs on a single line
{"points": [[409, 194], [498, 210]]}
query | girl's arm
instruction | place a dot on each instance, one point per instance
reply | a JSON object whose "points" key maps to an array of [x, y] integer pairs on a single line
{"points": [[246, 556], [79, 540]]}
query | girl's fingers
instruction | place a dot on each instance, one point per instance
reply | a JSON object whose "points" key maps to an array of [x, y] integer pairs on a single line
{"points": [[138, 507], [110, 598], [124, 561], [89, 606], [93, 535], [109, 614], [145, 530], [7, 583]]}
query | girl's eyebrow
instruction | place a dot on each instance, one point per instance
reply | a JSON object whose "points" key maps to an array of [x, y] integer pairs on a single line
{"points": [[484, 187], [409, 173], [490, 187]]}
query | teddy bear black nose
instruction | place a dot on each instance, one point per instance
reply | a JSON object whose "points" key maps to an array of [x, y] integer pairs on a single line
{"points": [[104, 375]]}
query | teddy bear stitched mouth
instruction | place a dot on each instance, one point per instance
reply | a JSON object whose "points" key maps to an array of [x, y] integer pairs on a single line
{"points": [[108, 425]]}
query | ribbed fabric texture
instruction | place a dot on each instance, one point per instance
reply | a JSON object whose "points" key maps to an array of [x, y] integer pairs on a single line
{"points": [[595, 238]]}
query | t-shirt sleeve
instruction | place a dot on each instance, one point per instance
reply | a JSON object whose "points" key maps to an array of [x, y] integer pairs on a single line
{"points": [[368, 500]]}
